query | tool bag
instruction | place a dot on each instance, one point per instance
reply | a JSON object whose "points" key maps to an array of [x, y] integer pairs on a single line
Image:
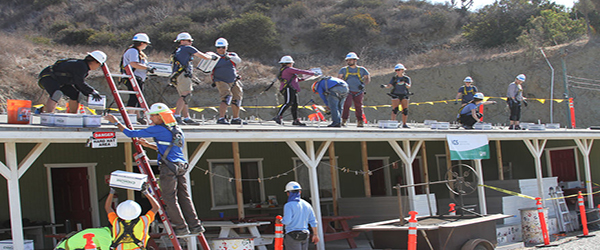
{"points": [[298, 235]]}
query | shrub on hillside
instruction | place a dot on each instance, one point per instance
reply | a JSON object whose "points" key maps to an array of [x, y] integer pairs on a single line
{"points": [[252, 33], [73, 36], [552, 28], [209, 14], [345, 32]]}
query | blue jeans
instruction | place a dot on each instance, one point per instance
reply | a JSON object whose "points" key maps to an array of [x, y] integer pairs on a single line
{"points": [[336, 98]]}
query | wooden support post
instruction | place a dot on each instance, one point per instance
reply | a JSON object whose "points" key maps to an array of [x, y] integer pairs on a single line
{"points": [[499, 159], [129, 167], [365, 165], [448, 167], [237, 167], [333, 164], [426, 175]]}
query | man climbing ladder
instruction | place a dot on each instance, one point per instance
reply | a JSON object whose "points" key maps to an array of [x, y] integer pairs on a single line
{"points": [[172, 164]]}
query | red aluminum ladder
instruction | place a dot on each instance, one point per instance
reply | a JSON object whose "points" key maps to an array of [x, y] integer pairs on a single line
{"points": [[140, 156]]}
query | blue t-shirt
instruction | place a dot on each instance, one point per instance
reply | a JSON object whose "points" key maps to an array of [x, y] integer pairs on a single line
{"points": [[184, 54], [467, 93], [324, 85], [225, 70], [353, 81], [162, 134], [467, 109]]}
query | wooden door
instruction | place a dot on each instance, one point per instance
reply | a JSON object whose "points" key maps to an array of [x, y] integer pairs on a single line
{"points": [[377, 180], [71, 194], [563, 164]]}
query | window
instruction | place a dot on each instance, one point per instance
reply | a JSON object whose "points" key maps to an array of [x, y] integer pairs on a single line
{"points": [[223, 183], [324, 175]]}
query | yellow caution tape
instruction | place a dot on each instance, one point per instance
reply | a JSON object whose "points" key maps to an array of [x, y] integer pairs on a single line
{"points": [[533, 198]]}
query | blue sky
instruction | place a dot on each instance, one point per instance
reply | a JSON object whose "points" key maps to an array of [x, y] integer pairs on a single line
{"points": [[480, 3]]}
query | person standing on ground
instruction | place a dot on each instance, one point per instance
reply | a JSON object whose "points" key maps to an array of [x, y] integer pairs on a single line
{"points": [[289, 88], [227, 82], [297, 216], [469, 114], [67, 77], [135, 57], [466, 92], [129, 229], [172, 165], [356, 77], [183, 73], [400, 84], [514, 97], [333, 91]]}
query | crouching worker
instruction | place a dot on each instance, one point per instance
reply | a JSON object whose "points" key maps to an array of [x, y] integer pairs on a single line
{"points": [[297, 216], [469, 114], [172, 165], [333, 91], [129, 229], [67, 77]]}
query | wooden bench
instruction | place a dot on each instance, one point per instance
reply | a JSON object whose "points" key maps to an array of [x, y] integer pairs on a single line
{"points": [[331, 233]]}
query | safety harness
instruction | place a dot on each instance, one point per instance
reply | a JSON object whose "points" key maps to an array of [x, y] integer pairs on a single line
{"points": [[127, 232], [357, 74], [181, 68], [124, 80], [176, 140], [465, 92], [50, 72], [286, 82]]}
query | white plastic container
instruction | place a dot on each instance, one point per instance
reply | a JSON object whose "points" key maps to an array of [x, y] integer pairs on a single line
{"points": [[482, 126], [92, 120], [207, 66], [101, 104], [553, 126], [127, 180], [429, 122], [132, 118], [388, 124], [536, 127], [47, 119], [8, 245], [68, 120], [161, 69], [440, 125]]}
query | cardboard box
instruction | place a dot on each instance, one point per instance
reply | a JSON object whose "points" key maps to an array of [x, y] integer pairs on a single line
{"points": [[8, 245], [388, 124], [68, 120], [127, 180]]}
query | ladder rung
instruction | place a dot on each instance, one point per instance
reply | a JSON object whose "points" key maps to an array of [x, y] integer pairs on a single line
{"points": [[130, 92], [120, 75]]}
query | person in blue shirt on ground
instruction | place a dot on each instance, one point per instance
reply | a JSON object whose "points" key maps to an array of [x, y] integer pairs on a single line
{"points": [[227, 82], [333, 91], [469, 114], [172, 165], [466, 91], [400, 84], [297, 216], [183, 73], [357, 78], [514, 97]]}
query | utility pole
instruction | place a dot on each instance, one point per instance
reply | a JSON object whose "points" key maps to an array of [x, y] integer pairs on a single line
{"points": [[563, 54]]}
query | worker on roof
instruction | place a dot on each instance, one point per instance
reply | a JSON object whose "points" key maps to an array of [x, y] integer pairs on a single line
{"points": [[469, 114], [227, 81], [129, 229], [514, 97], [333, 91], [466, 92], [400, 84], [169, 140], [297, 216], [288, 78], [67, 77], [356, 77], [135, 57]]}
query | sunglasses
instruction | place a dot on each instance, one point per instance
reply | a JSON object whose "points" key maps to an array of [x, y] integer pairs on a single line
{"points": [[220, 47]]}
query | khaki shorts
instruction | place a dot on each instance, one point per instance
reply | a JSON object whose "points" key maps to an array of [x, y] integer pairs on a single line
{"points": [[184, 84], [225, 89]]}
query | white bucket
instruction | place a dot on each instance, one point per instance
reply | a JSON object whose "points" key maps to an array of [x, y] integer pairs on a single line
{"points": [[207, 66], [233, 243]]}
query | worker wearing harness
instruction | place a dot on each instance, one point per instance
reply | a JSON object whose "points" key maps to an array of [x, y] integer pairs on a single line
{"points": [[333, 91], [129, 229], [67, 77], [469, 114], [297, 216], [227, 82], [466, 91], [182, 75], [400, 84], [172, 165], [356, 77], [514, 97], [289, 88], [135, 57]]}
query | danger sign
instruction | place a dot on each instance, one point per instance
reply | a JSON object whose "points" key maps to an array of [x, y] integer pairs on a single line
{"points": [[103, 140], [103, 135]]}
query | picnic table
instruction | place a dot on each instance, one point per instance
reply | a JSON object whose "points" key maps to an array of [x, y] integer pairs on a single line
{"points": [[227, 230], [37, 232], [331, 233]]}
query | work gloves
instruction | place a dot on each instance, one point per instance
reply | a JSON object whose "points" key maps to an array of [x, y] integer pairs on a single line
{"points": [[151, 70], [96, 96]]}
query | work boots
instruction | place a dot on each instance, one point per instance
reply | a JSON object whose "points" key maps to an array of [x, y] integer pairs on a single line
{"points": [[360, 124], [344, 122]]}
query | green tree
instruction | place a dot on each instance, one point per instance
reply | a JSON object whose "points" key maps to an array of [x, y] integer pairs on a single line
{"points": [[345, 32], [553, 28], [253, 33]]}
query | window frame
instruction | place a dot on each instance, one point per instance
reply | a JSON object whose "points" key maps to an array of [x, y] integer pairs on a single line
{"points": [[259, 163]]}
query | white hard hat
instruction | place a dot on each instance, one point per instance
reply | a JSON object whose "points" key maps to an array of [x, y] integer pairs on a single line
{"points": [[351, 55], [468, 79], [286, 59], [98, 55], [141, 37], [158, 108], [399, 66], [221, 42], [292, 186], [521, 77], [478, 95], [184, 36], [129, 210]]}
